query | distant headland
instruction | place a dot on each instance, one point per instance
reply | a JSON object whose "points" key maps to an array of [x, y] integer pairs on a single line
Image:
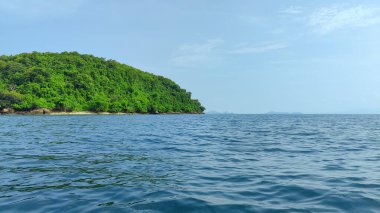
{"points": [[73, 83]]}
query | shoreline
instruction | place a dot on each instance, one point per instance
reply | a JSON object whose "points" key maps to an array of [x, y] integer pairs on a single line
{"points": [[118, 113], [42, 112]]}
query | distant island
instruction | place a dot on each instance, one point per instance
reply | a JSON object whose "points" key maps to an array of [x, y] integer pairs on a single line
{"points": [[39, 83]]}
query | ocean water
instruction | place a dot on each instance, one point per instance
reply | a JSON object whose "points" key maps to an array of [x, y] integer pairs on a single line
{"points": [[190, 163]]}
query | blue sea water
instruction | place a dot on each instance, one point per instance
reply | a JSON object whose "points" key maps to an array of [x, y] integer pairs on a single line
{"points": [[190, 163]]}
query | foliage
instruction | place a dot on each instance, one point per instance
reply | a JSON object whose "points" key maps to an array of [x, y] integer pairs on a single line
{"points": [[70, 81], [7, 98]]}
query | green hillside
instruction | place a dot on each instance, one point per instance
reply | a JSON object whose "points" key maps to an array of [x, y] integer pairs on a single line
{"points": [[70, 81]]}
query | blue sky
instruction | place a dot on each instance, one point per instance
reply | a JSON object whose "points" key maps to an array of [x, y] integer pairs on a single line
{"points": [[242, 56]]}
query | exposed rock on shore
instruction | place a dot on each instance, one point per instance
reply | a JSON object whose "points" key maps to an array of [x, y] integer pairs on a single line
{"points": [[6, 111], [39, 111]]}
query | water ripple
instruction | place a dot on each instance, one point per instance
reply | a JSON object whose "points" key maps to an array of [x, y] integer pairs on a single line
{"points": [[190, 163]]}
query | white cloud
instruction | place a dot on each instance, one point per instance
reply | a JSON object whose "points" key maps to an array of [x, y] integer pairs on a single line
{"points": [[307, 61], [205, 47], [293, 10], [329, 19], [197, 53], [39, 8], [212, 51], [259, 49]]}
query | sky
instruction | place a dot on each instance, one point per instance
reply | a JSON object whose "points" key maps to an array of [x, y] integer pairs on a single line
{"points": [[243, 56]]}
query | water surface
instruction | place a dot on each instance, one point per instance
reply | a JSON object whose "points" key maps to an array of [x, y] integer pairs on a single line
{"points": [[190, 163]]}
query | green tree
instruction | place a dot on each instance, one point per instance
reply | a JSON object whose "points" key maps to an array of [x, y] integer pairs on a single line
{"points": [[70, 81]]}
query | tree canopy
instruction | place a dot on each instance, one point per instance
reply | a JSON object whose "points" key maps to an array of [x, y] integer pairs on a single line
{"points": [[70, 81]]}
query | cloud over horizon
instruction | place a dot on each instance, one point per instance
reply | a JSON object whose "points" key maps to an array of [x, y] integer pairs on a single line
{"points": [[328, 19]]}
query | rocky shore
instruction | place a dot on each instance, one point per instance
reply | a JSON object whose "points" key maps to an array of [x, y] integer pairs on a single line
{"points": [[40, 111]]}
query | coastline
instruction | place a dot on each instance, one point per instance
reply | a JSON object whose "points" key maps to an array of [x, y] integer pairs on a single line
{"points": [[119, 113], [86, 113], [47, 112]]}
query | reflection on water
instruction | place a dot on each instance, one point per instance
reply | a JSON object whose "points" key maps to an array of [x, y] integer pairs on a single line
{"points": [[185, 163]]}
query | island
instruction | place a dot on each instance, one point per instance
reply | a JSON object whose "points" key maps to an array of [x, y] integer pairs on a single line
{"points": [[69, 82]]}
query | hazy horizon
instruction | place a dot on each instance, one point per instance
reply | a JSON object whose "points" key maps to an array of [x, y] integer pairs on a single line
{"points": [[244, 57]]}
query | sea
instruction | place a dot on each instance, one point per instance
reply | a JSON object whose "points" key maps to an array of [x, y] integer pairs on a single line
{"points": [[190, 163]]}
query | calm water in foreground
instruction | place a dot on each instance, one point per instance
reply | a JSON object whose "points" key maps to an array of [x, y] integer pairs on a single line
{"points": [[186, 163]]}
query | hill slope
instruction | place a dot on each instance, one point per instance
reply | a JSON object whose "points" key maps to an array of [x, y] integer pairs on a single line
{"points": [[70, 81]]}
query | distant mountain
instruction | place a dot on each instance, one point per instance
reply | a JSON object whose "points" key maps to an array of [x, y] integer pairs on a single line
{"points": [[70, 81]]}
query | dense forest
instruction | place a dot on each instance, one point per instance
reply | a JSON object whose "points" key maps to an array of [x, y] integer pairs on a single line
{"points": [[70, 81]]}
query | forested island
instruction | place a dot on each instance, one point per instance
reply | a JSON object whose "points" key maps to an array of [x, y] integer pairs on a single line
{"points": [[73, 82]]}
